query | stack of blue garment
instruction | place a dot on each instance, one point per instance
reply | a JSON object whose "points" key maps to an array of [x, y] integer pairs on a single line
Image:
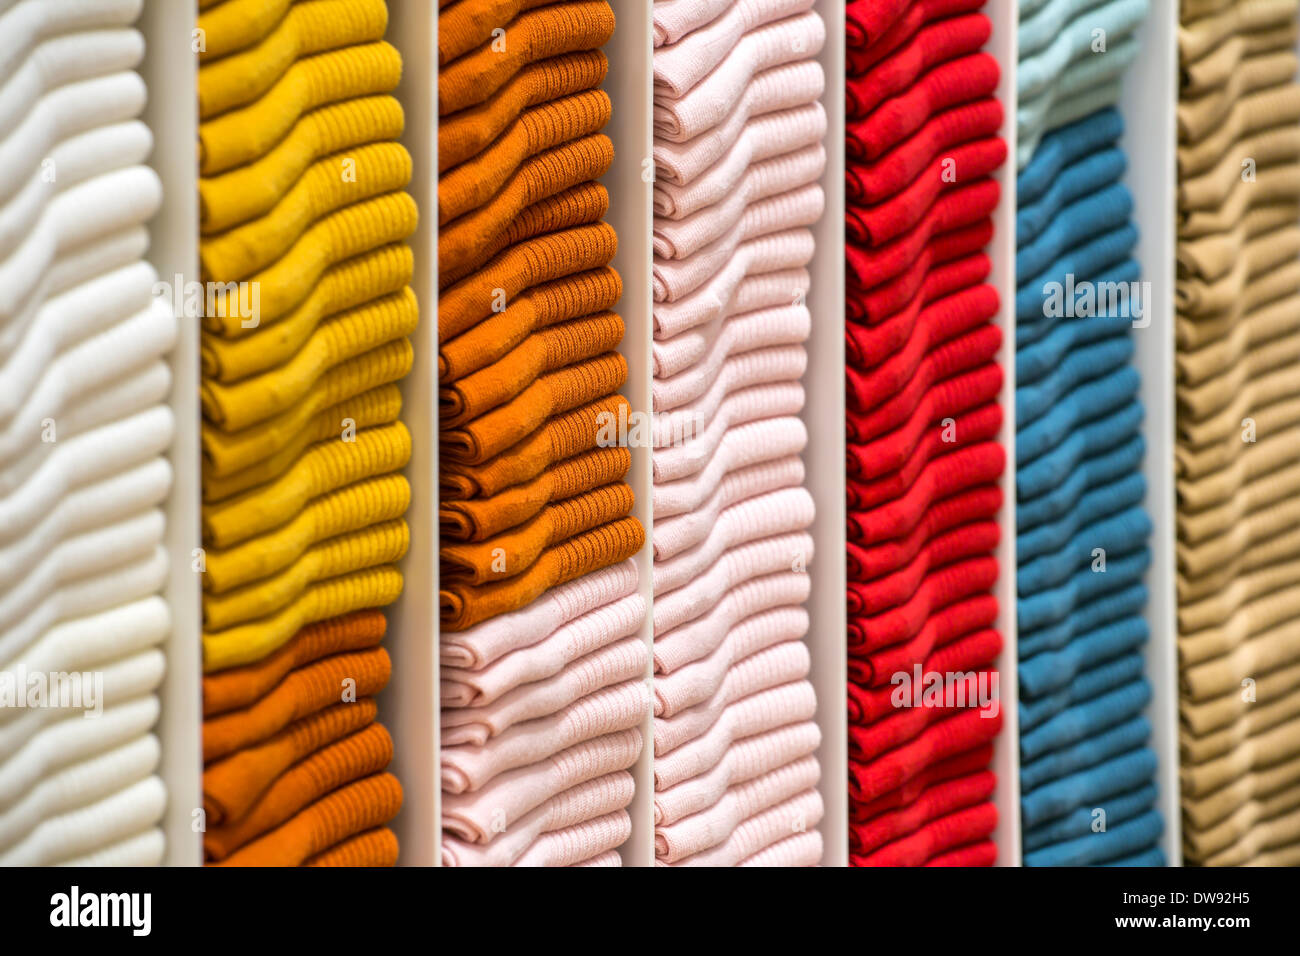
{"points": [[1087, 775]]}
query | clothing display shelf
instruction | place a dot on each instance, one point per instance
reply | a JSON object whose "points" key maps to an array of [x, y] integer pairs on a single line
{"points": [[409, 706]]}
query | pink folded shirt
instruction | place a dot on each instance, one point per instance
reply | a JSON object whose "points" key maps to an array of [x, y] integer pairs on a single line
{"points": [[625, 660], [676, 354], [478, 817], [744, 760], [702, 636], [755, 714], [576, 844], [802, 849], [772, 134], [673, 19], [606, 711], [687, 61], [462, 687], [680, 238], [772, 667], [799, 814], [484, 643], [758, 426], [719, 295], [586, 801], [782, 88], [708, 102], [713, 826]]}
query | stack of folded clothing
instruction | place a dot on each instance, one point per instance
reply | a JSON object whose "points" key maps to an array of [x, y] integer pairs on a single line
{"points": [[543, 671], [305, 322], [1087, 772], [1238, 469], [83, 428], [739, 157], [924, 460]]}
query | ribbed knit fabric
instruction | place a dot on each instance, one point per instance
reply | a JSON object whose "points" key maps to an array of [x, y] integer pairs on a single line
{"points": [[924, 463], [541, 619], [1236, 299], [1087, 774], [301, 198], [738, 157], [84, 430]]}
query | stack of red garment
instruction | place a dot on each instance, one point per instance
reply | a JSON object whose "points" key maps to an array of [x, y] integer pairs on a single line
{"points": [[923, 420]]}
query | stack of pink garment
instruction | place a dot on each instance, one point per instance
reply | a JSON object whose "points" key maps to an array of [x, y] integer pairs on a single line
{"points": [[738, 157], [541, 715]]}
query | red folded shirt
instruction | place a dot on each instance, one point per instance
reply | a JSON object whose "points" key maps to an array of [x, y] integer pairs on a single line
{"points": [[984, 853], [931, 45], [936, 837], [970, 761], [942, 439], [863, 57], [869, 707], [875, 182], [953, 210], [866, 20], [933, 802], [940, 589], [866, 345], [876, 303], [880, 594], [939, 323], [875, 669], [867, 564], [957, 81], [961, 732]]}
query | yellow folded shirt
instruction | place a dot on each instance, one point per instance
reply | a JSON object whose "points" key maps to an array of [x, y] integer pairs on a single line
{"points": [[245, 643], [350, 231], [379, 406], [372, 546], [325, 467], [358, 280], [339, 512], [336, 181], [345, 336], [232, 25], [250, 190], [242, 135], [227, 452], [305, 29]]}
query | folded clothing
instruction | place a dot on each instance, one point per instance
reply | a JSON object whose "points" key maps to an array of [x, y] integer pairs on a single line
{"points": [[925, 465]]}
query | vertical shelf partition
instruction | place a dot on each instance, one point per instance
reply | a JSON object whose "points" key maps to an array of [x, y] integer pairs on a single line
{"points": [[1004, 46], [1150, 142], [170, 73]]}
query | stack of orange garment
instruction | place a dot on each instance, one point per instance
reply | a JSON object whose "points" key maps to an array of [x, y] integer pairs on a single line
{"points": [[534, 501], [306, 316]]}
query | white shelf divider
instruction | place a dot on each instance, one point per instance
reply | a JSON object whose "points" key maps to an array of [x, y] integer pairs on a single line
{"points": [[1005, 47], [824, 460], [170, 72], [1150, 141], [409, 706], [629, 84]]}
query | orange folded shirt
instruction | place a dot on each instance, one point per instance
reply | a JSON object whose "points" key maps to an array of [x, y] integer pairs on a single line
{"points": [[307, 690], [562, 437], [532, 36], [376, 847], [545, 126], [466, 25], [515, 551], [241, 686], [359, 806], [481, 518], [464, 606], [553, 394], [358, 755], [545, 175], [536, 308], [582, 205], [520, 267], [231, 786], [470, 131], [542, 353]]}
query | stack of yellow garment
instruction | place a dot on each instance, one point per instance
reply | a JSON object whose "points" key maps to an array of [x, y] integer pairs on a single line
{"points": [[306, 320], [538, 598], [1238, 341]]}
